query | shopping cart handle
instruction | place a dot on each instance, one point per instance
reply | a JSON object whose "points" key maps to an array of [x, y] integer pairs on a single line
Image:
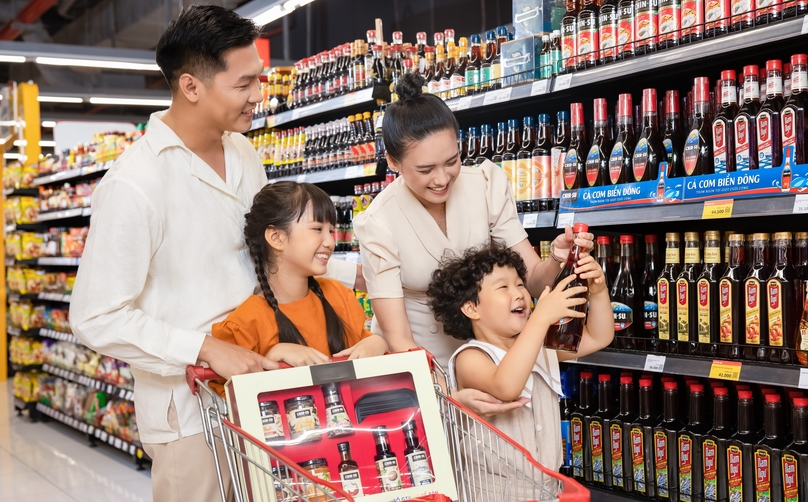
{"points": [[200, 373]]}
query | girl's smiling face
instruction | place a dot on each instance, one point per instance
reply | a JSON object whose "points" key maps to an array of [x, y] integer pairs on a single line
{"points": [[307, 246]]}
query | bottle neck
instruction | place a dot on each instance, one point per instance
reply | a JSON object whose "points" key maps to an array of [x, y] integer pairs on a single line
{"points": [[672, 253], [671, 122], [670, 402], [729, 93], [799, 80], [604, 251], [772, 419], [625, 255], [712, 252], [586, 394], [626, 399], [646, 402], [801, 252], [650, 120], [759, 253], [605, 397], [345, 456], [751, 89], [696, 408], [736, 254], [774, 84], [783, 250], [701, 111], [720, 412], [799, 424], [745, 416]]}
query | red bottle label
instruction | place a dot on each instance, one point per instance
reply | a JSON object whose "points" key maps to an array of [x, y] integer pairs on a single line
{"points": [[638, 459], [717, 13], [645, 22], [616, 433], [789, 131], [577, 427], [625, 29], [692, 17], [710, 456], [764, 133], [607, 36], [569, 50], [742, 136], [763, 483], [661, 463], [753, 312], [588, 39], [681, 292], [791, 489], [670, 20], [735, 473], [685, 455], [704, 294]]}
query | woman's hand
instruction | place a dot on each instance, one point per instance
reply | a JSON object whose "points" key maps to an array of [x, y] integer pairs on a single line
{"points": [[484, 404], [296, 355], [590, 270], [369, 347], [564, 242], [560, 302]]}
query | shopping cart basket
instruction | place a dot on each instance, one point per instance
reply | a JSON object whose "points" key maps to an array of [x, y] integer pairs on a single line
{"points": [[488, 466]]}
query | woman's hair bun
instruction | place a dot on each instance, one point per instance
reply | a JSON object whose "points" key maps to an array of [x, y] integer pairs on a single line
{"points": [[409, 87]]}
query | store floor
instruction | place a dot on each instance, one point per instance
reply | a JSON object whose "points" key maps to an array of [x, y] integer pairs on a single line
{"points": [[49, 461]]}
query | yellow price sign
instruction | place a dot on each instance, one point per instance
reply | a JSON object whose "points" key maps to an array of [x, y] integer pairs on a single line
{"points": [[369, 169], [714, 209], [726, 370]]}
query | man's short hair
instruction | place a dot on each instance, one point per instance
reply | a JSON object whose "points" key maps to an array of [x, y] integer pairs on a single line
{"points": [[196, 41]]}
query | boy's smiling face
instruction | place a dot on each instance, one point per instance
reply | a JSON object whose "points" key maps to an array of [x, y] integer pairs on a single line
{"points": [[503, 308]]}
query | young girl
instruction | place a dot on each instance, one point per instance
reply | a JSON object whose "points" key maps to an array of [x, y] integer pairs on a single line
{"points": [[297, 319], [481, 297]]}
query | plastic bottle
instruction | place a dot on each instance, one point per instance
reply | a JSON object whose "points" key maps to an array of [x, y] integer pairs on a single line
{"points": [[672, 140], [599, 424], [607, 33], [569, 38], [666, 458]]}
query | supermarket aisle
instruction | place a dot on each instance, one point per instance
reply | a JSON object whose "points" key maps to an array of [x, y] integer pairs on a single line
{"points": [[48, 461]]}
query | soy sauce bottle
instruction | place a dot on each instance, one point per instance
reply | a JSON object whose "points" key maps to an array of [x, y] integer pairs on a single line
{"points": [[745, 129], [649, 151], [714, 448], [793, 119], [649, 287], [794, 460], [566, 333], [623, 149], [672, 140], [666, 294], [587, 35], [559, 152], [724, 125], [780, 294], [698, 151], [756, 307], [618, 434], [575, 158], [599, 423], [708, 297], [626, 299], [740, 450], [686, 293], [605, 259], [666, 450], [597, 160], [579, 426], [731, 300], [689, 441], [640, 440], [767, 454], [770, 152]]}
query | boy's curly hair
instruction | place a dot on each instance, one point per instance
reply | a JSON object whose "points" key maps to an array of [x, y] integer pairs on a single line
{"points": [[458, 280]]}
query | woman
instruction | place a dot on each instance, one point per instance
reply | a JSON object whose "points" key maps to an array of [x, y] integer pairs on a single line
{"points": [[433, 208]]}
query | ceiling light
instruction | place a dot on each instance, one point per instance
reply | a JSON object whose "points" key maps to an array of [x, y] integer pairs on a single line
{"points": [[45, 143], [12, 156], [7, 58], [59, 99], [130, 101], [98, 63], [49, 123]]}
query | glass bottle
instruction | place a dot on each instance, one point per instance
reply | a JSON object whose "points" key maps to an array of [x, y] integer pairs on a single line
{"points": [[415, 454], [566, 406], [386, 462], [473, 147], [486, 145], [639, 440], [707, 295], [541, 159], [559, 153], [569, 37], [724, 125], [349, 472], [555, 51], [626, 299], [802, 336], [545, 58], [337, 421], [698, 154], [793, 124], [579, 426], [586, 30], [666, 294], [623, 149], [474, 66], [434, 85], [649, 151], [502, 129], [605, 259], [756, 307], [618, 436], [625, 29], [801, 269], [745, 130], [459, 76], [648, 283], [740, 477], [524, 160], [429, 68], [379, 73], [575, 158], [599, 423], [597, 160], [496, 63], [446, 78], [646, 26], [509, 157], [666, 458], [670, 23], [672, 139], [770, 152], [781, 299], [607, 33], [686, 294], [462, 145], [692, 21], [714, 447], [767, 454], [566, 333], [689, 447], [731, 301], [489, 54]]}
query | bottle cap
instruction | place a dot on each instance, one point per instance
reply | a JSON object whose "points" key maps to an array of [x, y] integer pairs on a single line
{"points": [[626, 380], [408, 62], [490, 35], [412, 49], [344, 447], [409, 425], [513, 123], [396, 47], [672, 385], [750, 70], [649, 101], [650, 238], [580, 227], [626, 239], [712, 235], [800, 402], [585, 375], [772, 398], [438, 38], [760, 237], [744, 394], [671, 237], [429, 49], [563, 115], [502, 126], [799, 59], [774, 64], [736, 238], [502, 31], [485, 128], [767, 390], [696, 387], [397, 35], [701, 90], [601, 110], [604, 377], [624, 106], [802, 235], [646, 382], [475, 39], [421, 35], [527, 121], [544, 118], [720, 391], [780, 236], [577, 112], [692, 236], [671, 102], [728, 75], [604, 239], [473, 131], [371, 35]]}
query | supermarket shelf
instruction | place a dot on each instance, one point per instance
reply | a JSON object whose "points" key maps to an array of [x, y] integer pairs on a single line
{"points": [[19, 226], [72, 174], [15, 331], [132, 448], [343, 173], [59, 335], [767, 374], [47, 261], [363, 97], [63, 215], [10, 262], [258, 123], [48, 297], [544, 219], [110, 389], [20, 192], [24, 367], [680, 56], [349, 256], [687, 211]]}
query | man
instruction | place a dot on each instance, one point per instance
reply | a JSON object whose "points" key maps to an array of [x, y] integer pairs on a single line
{"points": [[165, 258]]}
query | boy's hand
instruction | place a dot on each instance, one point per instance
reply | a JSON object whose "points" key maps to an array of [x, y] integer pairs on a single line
{"points": [[369, 347], [296, 355], [589, 269], [560, 302], [564, 242]]}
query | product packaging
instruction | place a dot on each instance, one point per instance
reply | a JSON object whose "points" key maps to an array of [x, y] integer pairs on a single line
{"points": [[520, 60], [528, 17]]}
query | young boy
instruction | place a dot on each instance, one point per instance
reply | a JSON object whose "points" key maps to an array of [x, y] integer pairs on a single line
{"points": [[481, 297]]}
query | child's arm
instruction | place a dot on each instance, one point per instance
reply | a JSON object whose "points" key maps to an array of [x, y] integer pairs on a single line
{"points": [[296, 355], [370, 346], [599, 329], [505, 382]]}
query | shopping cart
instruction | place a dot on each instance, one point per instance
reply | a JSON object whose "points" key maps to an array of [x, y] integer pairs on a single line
{"points": [[488, 466]]}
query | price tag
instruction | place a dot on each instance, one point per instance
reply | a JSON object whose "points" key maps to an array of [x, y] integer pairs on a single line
{"points": [[104, 436], [498, 96], [565, 219], [369, 170], [539, 87], [464, 103], [655, 363], [301, 178], [353, 172], [726, 370], [804, 26], [801, 201], [530, 220], [714, 209], [295, 114], [118, 443], [350, 99], [563, 82], [131, 449], [803, 378]]}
